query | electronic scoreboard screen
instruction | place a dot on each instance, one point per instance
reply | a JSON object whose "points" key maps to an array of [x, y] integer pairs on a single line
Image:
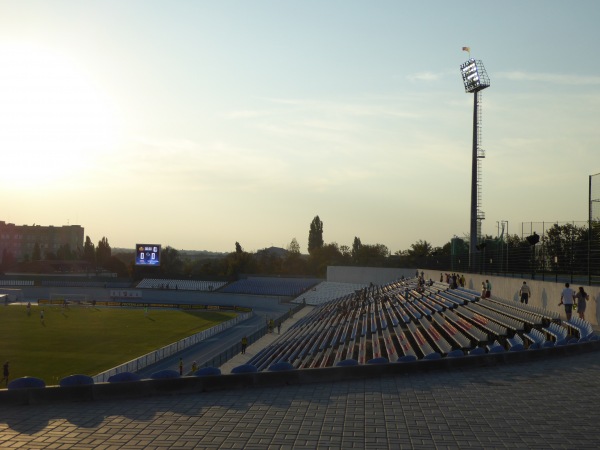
{"points": [[147, 255]]}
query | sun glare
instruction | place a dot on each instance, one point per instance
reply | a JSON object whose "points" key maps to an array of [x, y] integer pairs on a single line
{"points": [[54, 123]]}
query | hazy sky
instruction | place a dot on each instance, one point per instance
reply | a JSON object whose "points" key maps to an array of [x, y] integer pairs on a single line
{"points": [[197, 124]]}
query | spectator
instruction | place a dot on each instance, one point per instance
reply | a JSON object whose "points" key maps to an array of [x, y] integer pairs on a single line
{"points": [[488, 289], [566, 298], [244, 344], [525, 293], [582, 297], [180, 366], [483, 289]]}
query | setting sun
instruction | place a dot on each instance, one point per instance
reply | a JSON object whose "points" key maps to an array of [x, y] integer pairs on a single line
{"points": [[53, 120]]}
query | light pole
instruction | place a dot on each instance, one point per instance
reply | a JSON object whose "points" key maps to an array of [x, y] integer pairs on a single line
{"points": [[475, 79]]}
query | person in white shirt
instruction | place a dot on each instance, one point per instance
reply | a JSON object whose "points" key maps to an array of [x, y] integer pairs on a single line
{"points": [[525, 293], [566, 298]]}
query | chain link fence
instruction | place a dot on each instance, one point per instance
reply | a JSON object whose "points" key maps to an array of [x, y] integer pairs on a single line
{"points": [[564, 252]]}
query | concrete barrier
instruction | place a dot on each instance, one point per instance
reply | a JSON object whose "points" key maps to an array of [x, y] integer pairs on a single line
{"points": [[197, 384]]}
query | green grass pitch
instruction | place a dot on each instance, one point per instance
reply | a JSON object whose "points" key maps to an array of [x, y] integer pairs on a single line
{"points": [[89, 340]]}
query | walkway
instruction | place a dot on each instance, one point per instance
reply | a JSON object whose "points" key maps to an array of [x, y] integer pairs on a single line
{"points": [[547, 405], [265, 341]]}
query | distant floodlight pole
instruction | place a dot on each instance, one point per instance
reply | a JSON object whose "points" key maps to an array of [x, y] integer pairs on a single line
{"points": [[475, 79]]}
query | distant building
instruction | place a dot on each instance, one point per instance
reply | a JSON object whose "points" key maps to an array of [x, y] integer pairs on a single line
{"points": [[17, 242]]}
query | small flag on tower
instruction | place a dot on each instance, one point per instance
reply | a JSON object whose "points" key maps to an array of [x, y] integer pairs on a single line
{"points": [[467, 49]]}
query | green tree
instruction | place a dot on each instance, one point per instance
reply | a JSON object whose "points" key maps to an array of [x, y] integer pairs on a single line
{"points": [[64, 252], [103, 252], [294, 247], [372, 255], [171, 264], [326, 255], [356, 245], [89, 251], [294, 263], [238, 248], [566, 248], [116, 265], [420, 248], [315, 235]]}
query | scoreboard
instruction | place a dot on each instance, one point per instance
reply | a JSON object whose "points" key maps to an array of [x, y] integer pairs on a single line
{"points": [[147, 255]]}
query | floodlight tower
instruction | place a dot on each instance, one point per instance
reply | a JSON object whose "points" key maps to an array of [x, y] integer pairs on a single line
{"points": [[475, 79]]}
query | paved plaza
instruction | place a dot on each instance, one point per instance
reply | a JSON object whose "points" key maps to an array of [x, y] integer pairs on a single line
{"points": [[548, 404]]}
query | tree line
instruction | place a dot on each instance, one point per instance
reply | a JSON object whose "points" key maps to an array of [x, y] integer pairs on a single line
{"points": [[564, 247]]}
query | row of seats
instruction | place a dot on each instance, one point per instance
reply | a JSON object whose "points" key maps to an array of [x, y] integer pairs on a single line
{"points": [[86, 284], [16, 282], [326, 291], [401, 320], [185, 285]]}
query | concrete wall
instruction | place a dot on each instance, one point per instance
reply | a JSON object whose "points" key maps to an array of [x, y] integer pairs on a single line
{"points": [[192, 385], [373, 275]]}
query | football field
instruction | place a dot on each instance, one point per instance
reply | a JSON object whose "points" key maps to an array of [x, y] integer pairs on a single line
{"points": [[89, 340]]}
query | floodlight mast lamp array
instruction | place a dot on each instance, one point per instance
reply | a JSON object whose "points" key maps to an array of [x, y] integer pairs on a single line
{"points": [[475, 79]]}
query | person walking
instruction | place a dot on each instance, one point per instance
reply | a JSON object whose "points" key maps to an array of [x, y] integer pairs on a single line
{"points": [[582, 297], [525, 293], [244, 344], [566, 298]]}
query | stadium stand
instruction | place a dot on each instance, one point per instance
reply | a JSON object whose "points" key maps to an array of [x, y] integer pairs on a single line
{"points": [[404, 320], [184, 285], [16, 282], [327, 291], [286, 287]]}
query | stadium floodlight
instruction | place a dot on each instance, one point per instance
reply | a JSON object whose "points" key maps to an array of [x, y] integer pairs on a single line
{"points": [[475, 79], [474, 76]]}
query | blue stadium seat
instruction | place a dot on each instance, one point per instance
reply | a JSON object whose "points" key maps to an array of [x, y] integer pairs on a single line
{"points": [[165, 374], [207, 372], [281, 367], [432, 356], [455, 353], [76, 380], [347, 362], [244, 368], [26, 383], [407, 358], [380, 360], [477, 351]]}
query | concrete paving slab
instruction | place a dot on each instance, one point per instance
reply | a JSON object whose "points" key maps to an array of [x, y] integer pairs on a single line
{"points": [[542, 404]]}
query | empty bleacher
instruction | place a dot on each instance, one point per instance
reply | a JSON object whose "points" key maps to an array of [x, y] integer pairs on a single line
{"points": [[287, 287], [184, 285], [326, 291], [403, 321]]}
